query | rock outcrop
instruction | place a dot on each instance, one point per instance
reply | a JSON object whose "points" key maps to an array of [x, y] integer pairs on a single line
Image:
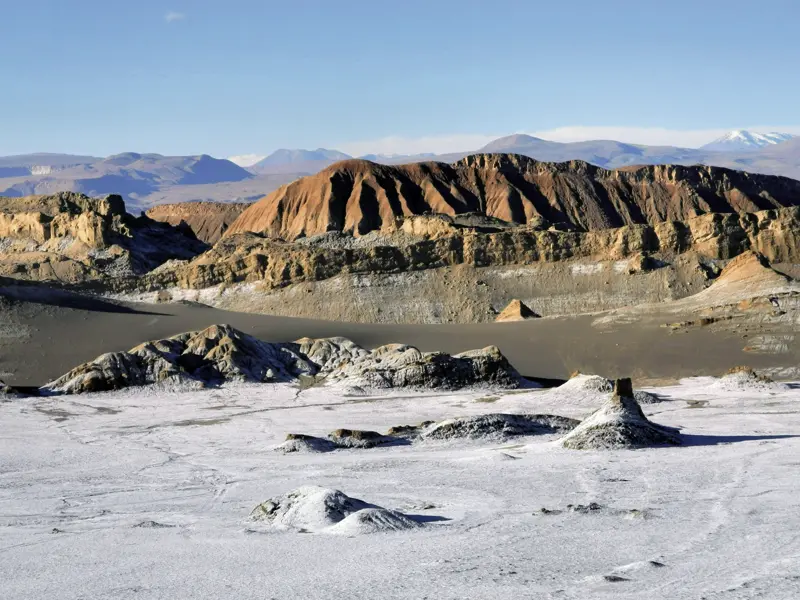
{"points": [[248, 257], [338, 440], [516, 310], [221, 354], [313, 509], [619, 423], [359, 196], [207, 220], [497, 425], [71, 238]]}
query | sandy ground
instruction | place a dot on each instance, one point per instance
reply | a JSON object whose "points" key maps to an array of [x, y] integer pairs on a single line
{"points": [[45, 335], [715, 519]]}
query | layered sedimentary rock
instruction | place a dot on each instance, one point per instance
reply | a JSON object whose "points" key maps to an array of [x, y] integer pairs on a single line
{"points": [[249, 257], [208, 220], [221, 354], [359, 196], [71, 238]]}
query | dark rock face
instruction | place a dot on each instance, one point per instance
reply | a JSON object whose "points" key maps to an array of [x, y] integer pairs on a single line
{"points": [[220, 353], [623, 387]]}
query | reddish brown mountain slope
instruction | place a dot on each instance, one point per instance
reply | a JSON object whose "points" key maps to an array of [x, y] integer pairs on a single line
{"points": [[208, 220], [359, 196]]}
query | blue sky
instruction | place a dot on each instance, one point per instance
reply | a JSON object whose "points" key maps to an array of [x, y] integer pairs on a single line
{"points": [[241, 76]]}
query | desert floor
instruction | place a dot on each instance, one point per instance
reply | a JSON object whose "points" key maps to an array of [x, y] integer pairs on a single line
{"points": [[146, 494]]}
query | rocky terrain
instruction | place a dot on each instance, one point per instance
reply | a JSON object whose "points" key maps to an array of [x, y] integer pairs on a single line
{"points": [[357, 196], [71, 238], [222, 354], [207, 220]]}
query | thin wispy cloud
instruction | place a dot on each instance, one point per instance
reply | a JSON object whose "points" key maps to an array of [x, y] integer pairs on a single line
{"points": [[651, 136], [439, 144], [173, 16]]}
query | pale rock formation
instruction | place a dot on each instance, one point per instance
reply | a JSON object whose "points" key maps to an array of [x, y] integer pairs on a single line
{"points": [[313, 509], [221, 353], [71, 238]]}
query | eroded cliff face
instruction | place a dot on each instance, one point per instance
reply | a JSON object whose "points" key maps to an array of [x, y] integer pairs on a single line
{"points": [[249, 257], [208, 220], [71, 238], [358, 196]]}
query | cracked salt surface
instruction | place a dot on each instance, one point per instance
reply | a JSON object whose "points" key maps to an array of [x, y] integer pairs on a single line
{"points": [[146, 493]]}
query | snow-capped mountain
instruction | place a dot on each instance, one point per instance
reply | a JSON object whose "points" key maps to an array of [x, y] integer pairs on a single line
{"points": [[743, 141], [247, 160]]}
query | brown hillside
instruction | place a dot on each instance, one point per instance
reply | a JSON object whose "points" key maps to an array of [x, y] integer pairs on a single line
{"points": [[208, 220], [359, 196]]}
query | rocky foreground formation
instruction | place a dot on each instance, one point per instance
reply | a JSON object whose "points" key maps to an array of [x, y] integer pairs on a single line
{"points": [[207, 220], [358, 196], [222, 354], [619, 423], [492, 426], [71, 238]]}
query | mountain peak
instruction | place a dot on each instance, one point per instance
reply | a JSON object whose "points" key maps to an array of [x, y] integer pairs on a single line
{"points": [[741, 140], [508, 142]]}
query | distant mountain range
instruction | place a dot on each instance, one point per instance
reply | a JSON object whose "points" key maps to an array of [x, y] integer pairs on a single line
{"points": [[145, 180], [132, 175], [745, 141]]}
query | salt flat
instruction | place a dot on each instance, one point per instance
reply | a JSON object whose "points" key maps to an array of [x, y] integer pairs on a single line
{"points": [[146, 494]]}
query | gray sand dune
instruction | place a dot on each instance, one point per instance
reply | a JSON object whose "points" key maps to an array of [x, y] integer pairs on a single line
{"points": [[43, 337]]}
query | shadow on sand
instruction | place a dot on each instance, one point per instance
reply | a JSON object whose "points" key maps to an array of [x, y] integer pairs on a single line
{"points": [[427, 518], [716, 440], [40, 294]]}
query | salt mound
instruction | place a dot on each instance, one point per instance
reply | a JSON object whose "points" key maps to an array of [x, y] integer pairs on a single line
{"points": [[742, 379], [298, 442], [309, 508], [497, 425], [619, 423], [356, 438], [322, 510], [586, 383], [591, 391], [373, 520], [643, 397]]}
